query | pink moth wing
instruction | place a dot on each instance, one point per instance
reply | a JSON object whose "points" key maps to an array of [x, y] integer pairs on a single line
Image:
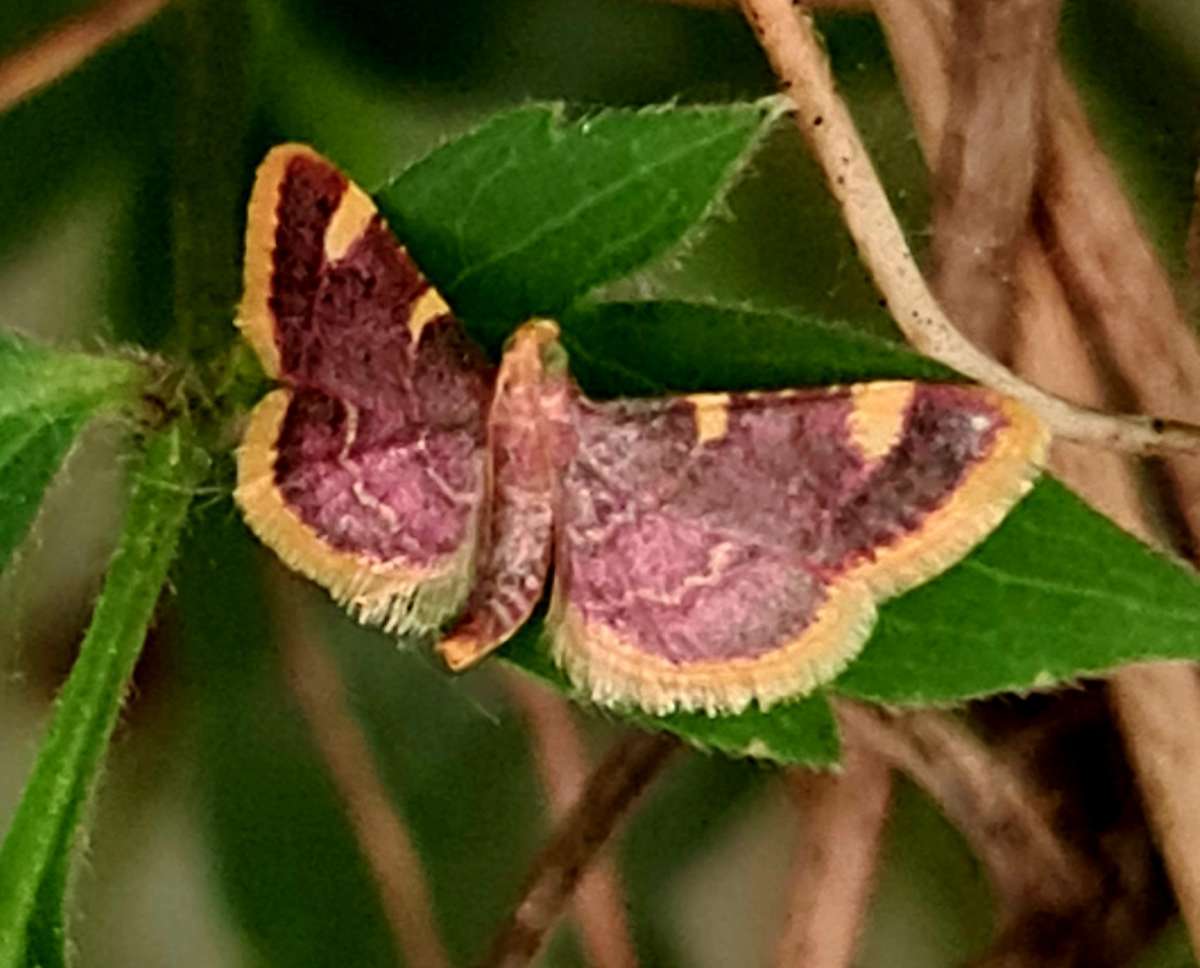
{"points": [[719, 549], [709, 551], [366, 469]]}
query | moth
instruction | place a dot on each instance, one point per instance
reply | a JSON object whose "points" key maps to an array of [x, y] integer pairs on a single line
{"points": [[708, 550]]}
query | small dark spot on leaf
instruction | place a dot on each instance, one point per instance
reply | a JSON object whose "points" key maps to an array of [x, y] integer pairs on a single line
{"points": [[817, 121]]}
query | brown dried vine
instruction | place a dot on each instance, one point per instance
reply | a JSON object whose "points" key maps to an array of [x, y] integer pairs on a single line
{"points": [[610, 792], [1093, 281], [562, 763], [69, 44], [1080, 210], [841, 819], [787, 35], [382, 837], [986, 163]]}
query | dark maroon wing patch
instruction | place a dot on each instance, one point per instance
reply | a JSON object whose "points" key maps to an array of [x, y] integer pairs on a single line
{"points": [[365, 470], [715, 550]]}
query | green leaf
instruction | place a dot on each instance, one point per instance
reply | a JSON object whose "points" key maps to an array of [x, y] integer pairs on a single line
{"points": [[34, 857], [534, 209], [800, 732], [785, 245], [30, 454], [1057, 592], [45, 399], [642, 349]]}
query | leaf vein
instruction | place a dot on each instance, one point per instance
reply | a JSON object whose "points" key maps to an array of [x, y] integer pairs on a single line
{"points": [[550, 226]]}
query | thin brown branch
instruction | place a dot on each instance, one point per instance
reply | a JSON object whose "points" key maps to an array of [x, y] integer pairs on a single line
{"points": [[1049, 348], [1162, 737], [1193, 248], [1116, 282], [69, 44], [629, 766], [382, 837], [994, 807], [1113, 275], [914, 36], [988, 161], [562, 762], [1046, 345], [1158, 708], [1071, 880], [1069, 746], [841, 822], [1098, 245], [849, 6], [787, 35]]}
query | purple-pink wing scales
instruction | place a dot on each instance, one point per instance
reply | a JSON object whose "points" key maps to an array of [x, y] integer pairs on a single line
{"points": [[528, 411], [365, 470], [715, 550]]}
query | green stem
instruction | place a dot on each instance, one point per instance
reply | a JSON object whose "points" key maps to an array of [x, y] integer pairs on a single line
{"points": [[34, 855]]}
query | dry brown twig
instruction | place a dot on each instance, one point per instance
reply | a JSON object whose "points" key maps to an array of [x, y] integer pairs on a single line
{"points": [[1048, 347], [1118, 283], [563, 765], [383, 840], [986, 161], [611, 790], [1115, 281], [67, 45], [1193, 248], [846, 6], [1158, 709], [787, 36], [841, 822], [1058, 906], [994, 808]]}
